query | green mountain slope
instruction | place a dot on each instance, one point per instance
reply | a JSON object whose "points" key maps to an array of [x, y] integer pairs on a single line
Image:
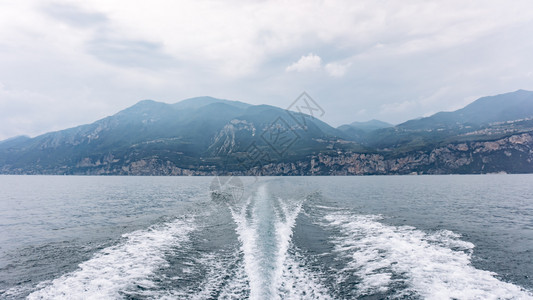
{"points": [[197, 131], [486, 110], [207, 136]]}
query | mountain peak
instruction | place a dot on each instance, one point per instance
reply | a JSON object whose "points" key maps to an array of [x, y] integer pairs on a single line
{"points": [[143, 106], [15, 138], [367, 126], [206, 135], [145, 103], [197, 102], [503, 107], [373, 122]]}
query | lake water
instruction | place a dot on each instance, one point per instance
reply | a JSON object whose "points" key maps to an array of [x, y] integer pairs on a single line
{"points": [[396, 237]]}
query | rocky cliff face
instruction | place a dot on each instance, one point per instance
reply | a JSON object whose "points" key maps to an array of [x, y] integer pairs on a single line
{"points": [[207, 136], [512, 154]]}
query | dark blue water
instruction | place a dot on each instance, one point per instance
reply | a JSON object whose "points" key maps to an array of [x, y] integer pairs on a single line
{"points": [[396, 237]]}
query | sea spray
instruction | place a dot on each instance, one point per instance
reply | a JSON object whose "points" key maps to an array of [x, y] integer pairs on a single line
{"points": [[411, 263], [115, 269]]}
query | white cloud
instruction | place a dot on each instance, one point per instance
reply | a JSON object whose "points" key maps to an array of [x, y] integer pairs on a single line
{"points": [[313, 62], [306, 63], [110, 54], [337, 69]]}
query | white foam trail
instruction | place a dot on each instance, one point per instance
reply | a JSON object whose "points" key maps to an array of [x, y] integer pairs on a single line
{"points": [[292, 279], [116, 269], [238, 287], [300, 283], [214, 279], [248, 232], [265, 228], [434, 266], [284, 223], [220, 282]]}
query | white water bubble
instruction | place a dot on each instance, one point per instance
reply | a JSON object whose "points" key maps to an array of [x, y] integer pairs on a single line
{"points": [[118, 268], [434, 266]]}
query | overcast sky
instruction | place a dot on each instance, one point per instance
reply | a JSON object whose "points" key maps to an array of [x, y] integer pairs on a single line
{"points": [[66, 63]]}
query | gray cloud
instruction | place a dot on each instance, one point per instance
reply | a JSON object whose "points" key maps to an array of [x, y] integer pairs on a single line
{"points": [[386, 60], [73, 15], [130, 53]]}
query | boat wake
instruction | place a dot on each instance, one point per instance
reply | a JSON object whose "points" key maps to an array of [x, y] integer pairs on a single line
{"points": [[113, 271], [260, 259], [271, 262], [403, 262]]}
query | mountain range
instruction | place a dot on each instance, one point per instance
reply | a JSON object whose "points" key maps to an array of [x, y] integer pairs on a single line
{"points": [[208, 136]]}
